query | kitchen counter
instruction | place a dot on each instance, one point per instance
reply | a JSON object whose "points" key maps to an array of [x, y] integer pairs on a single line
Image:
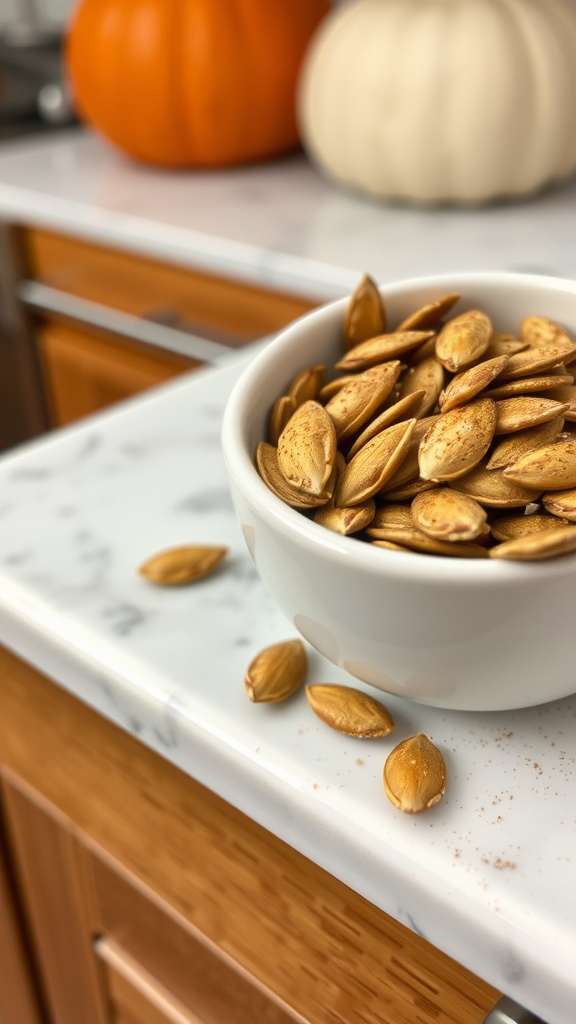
{"points": [[488, 874], [278, 224]]}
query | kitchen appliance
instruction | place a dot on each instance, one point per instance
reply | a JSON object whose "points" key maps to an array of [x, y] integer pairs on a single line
{"points": [[33, 92]]}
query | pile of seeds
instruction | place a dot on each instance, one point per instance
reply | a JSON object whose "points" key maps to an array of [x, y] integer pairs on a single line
{"points": [[414, 774], [441, 435]]}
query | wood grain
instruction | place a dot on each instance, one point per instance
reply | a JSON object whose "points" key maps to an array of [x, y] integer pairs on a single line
{"points": [[85, 370], [324, 950], [143, 286], [19, 1002]]}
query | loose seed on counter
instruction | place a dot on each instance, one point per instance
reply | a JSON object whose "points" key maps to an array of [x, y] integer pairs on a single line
{"points": [[276, 672], [184, 564], [349, 710], [415, 775]]}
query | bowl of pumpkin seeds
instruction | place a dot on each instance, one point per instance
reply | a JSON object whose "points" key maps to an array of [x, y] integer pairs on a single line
{"points": [[403, 466]]}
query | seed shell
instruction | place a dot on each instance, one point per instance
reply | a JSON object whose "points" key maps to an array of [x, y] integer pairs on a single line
{"points": [[446, 514], [510, 527], [380, 349], [307, 448], [183, 564], [346, 521], [276, 672], [561, 503], [415, 775], [349, 711], [429, 315], [269, 470], [463, 340], [537, 546], [365, 314], [457, 441], [373, 465], [550, 468], [354, 404], [469, 383]]}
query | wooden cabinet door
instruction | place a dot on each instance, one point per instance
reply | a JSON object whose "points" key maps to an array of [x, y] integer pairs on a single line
{"points": [[48, 859], [18, 997]]}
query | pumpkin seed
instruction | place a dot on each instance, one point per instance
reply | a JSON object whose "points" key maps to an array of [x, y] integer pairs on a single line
{"points": [[550, 468], [504, 343], [511, 448], [349, 710], [183, 564], [526, 411], [429, 315], [415, 775], [561, 503], [354, 404], [346, 521], [403, 409], [457, 441], [539, 545], [533, 360], [416, 540], [276, 672], [269, 470], [427, 376], [510, 527], [446, 514], [373, 465], [463, 340], [469, 383], [307, 384], [539, 331], [365, 314], [307, 448], [531, 385], [491, 488], [381, 349], [283, 408]]}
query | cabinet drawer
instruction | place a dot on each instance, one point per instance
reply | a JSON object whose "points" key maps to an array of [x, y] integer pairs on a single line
{"points": [[176, 955], [84, 371], [222, 308]]}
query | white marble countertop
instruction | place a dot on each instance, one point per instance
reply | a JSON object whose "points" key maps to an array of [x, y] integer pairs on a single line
{"points": [[488, 875], [279, 223]]}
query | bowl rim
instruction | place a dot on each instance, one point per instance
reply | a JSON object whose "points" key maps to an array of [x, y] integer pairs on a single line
{"points": [[438, 569]]}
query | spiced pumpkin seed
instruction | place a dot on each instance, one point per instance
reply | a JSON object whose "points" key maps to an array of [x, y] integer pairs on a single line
{"points": [[463, 340], [269, 470], [446, 514], [365, 315], [307, 449], [183, 564], [537, 546], [373, 465], [381, 349], [429, 315], [415, 775], [276, 672], [457, 441], [550, 468], [349, 711]]}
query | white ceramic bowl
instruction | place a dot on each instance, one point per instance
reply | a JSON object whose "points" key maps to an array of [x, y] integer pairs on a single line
{"points": [[477, 634]]}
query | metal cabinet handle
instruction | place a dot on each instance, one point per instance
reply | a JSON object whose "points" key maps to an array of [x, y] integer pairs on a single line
{"points": [[507, 1011], [45, 299]]}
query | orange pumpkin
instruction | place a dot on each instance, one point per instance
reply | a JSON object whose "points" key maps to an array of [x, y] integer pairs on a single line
{"points": [[191, 82]]}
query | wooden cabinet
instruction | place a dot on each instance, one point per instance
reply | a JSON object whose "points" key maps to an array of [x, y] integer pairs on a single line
{"points": [[83, 326], [149, 900]]}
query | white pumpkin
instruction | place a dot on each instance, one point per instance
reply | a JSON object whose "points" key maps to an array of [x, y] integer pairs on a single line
{"points": [[459, 101]]}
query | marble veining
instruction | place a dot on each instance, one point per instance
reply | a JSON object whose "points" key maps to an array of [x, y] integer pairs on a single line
{"points": [[487, 875]]}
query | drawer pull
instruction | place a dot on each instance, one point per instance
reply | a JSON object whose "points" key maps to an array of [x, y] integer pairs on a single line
{"points": [[130, 983], [507, 1011], [44, 299]]}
